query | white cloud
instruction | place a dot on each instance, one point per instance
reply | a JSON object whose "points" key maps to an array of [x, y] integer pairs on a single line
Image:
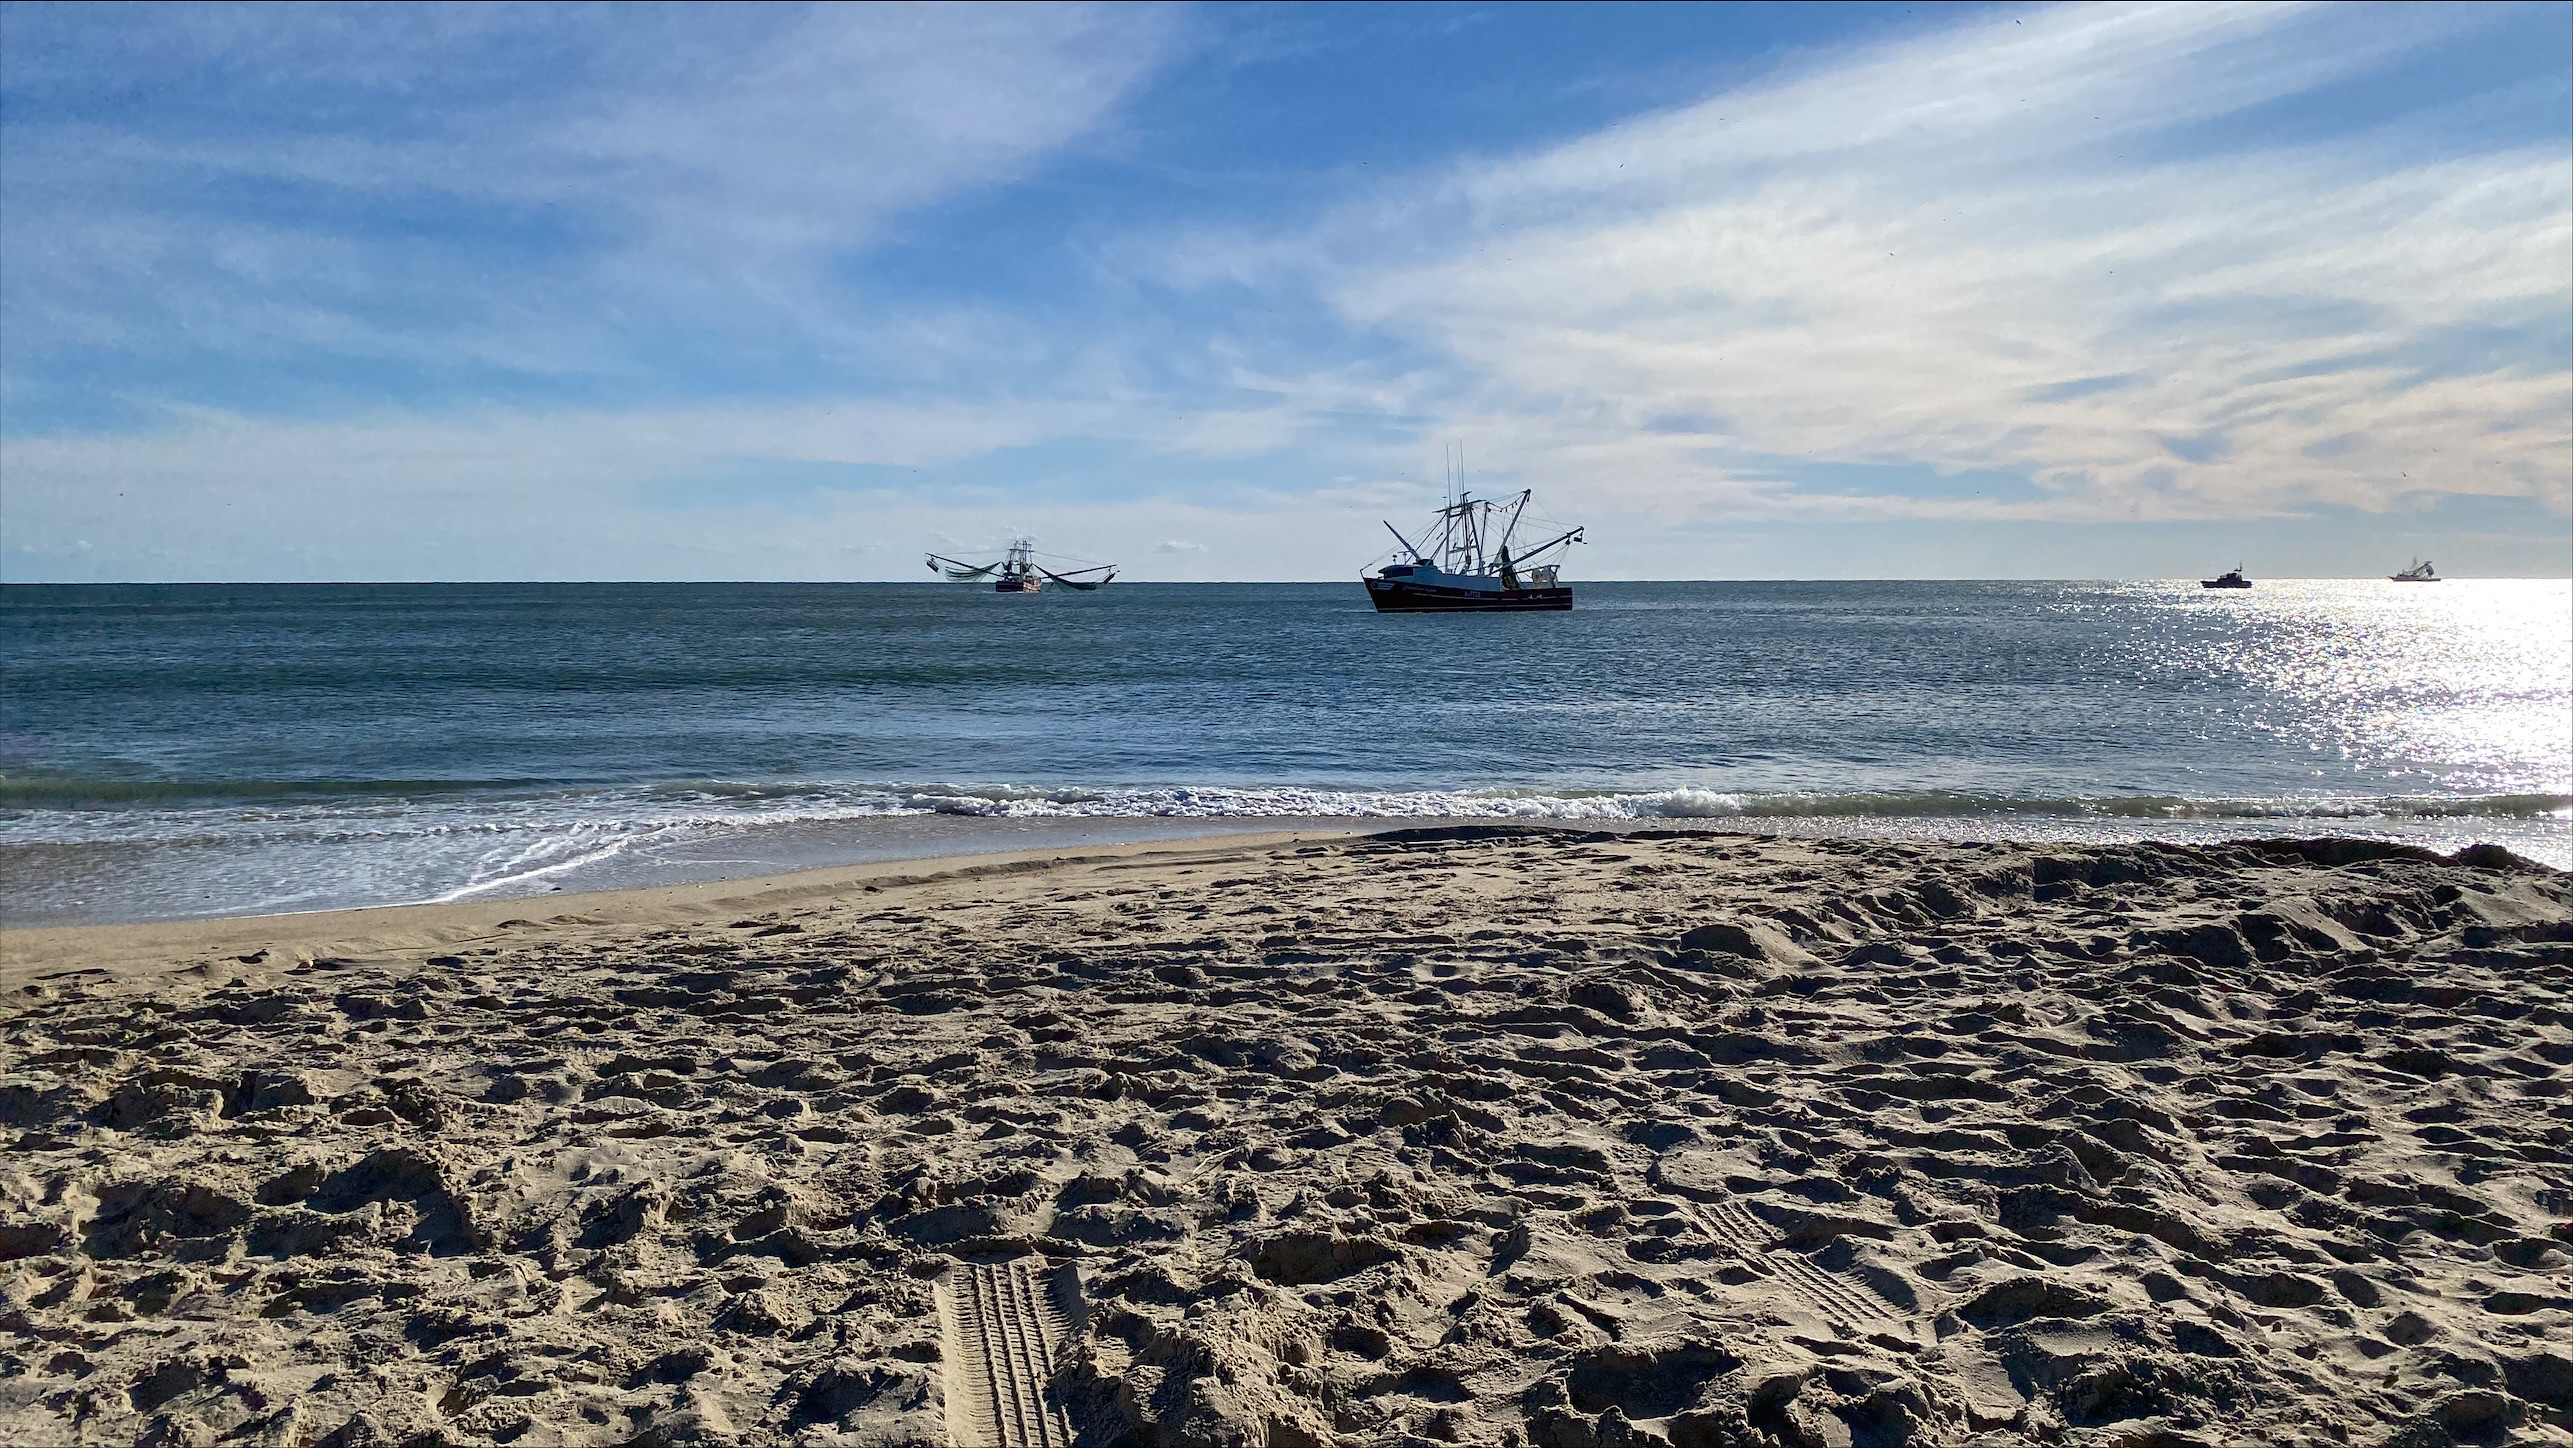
{"points": [[1913, 258], [556, 191], [856, 113]]}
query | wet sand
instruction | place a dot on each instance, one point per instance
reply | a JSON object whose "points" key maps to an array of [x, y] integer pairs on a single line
{"points": [[1481, 1135]]}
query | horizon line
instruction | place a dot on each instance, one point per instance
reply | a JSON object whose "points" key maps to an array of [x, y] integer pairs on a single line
{"points": [[1166, 582]]}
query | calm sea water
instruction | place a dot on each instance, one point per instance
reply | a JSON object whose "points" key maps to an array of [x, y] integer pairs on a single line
{"points": [[172, 751]]}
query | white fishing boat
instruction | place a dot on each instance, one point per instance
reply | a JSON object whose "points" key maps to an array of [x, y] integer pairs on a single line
{"points": [[2419, 572], [1468, 565]]}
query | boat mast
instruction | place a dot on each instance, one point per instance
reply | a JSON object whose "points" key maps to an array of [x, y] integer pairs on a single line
{"points": [[1452, 515], [1469, 519], [1516, 509], [1467, 555], [1465, 538]]}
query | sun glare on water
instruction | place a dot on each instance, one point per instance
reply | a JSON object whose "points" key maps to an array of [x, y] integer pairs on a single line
{"points": [[2467, 683]]}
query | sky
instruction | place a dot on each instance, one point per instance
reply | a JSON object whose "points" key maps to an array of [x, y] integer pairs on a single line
{"points": [[468, 292]]}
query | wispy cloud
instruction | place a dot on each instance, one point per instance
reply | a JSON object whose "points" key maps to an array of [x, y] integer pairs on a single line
{"points": [[640, 195], [2025, 244]]}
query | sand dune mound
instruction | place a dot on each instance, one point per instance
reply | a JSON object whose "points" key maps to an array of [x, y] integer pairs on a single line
{"points": [[1469, 1136]]}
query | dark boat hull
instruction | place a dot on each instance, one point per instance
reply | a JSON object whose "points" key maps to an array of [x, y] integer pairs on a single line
{"points": [[1400, 597], [2222, 583]]}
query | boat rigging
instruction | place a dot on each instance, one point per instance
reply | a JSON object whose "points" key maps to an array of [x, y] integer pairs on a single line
{"points": [[1019, 572], [1469, 565]]}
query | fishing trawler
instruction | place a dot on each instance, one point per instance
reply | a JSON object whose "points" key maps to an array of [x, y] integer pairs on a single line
{"points": [[1019, 572], [2419, 572], [2233, 579], [1468, 566]]}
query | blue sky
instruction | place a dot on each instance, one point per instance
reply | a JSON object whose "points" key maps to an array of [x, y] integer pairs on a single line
{"points": [[464, 292]]}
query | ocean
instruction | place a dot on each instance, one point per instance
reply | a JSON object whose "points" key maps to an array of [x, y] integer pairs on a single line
{"points": [[180, 751]]}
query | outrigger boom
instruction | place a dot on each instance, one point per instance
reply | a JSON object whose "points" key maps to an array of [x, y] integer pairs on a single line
{"points": [[1021, 573]]}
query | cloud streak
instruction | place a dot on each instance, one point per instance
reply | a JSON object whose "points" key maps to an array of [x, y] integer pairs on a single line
{"points": [[478, 197], [1930, 256]]}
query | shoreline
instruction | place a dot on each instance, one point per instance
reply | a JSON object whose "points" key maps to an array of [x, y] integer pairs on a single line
{"points": [[757, 850], [761, 853], [34, 953]]}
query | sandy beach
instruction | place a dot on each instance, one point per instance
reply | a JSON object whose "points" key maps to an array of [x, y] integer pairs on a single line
{"points": [[1483, 1135]]}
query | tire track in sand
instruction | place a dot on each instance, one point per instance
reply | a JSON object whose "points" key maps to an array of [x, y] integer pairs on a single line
{"points": [[1837, 1296], [1002, 1337], [1757, 1247]]}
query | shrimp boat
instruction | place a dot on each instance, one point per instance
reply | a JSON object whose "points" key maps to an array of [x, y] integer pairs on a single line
{"points": [[1019, 572], [1468, 566], [2419, 572], [2233, 579]]}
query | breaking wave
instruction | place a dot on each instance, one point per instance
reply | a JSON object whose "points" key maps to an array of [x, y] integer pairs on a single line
{"points": [[70, 811], [1684, 802]]}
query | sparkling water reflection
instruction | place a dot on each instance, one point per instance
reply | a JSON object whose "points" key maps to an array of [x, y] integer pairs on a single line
{"points": [[2458, 686]]}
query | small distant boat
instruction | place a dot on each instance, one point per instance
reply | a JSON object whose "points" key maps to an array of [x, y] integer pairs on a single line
{"points": [[2419, 572], [1019, 572], [2231, 579]]}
